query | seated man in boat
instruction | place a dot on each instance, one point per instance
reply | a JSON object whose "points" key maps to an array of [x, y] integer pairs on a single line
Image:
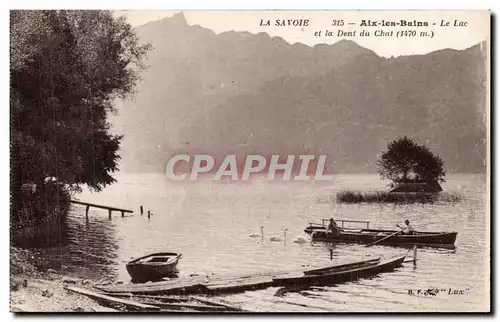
{"points": [[408, 230], [332, 227]]}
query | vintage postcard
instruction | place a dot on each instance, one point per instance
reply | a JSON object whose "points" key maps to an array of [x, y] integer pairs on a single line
{"points": [[250, 161]]}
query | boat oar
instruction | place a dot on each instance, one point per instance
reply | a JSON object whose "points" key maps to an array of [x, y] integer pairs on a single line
{"points": [[382, 239]]}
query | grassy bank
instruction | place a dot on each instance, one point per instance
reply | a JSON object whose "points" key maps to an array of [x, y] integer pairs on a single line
{"points": [[346, 196], [36, 291]]}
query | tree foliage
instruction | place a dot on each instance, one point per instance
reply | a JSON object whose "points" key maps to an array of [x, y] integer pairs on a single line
{"points": [[406, 161], [66, 69]]}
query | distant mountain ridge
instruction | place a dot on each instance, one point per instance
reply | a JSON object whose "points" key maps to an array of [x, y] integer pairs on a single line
{"points": [[245, 93]]}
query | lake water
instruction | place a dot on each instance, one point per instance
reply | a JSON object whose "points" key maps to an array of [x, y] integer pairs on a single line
{"points": [[210, 224]]}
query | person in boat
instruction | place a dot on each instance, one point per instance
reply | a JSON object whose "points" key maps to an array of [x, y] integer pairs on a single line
{"points": [[408, 230], [332, 227]]}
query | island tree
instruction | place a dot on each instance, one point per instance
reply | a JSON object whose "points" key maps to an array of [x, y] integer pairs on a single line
{"points": [[405, 161], [66, 69]]}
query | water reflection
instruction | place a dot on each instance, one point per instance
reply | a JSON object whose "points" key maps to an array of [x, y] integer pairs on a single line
{"points": [[93, 248], [87, 248]]}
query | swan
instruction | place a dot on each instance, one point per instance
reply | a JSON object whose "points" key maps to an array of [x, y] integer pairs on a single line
{"points": [[276, 238], [257, 235], [300, 240]]}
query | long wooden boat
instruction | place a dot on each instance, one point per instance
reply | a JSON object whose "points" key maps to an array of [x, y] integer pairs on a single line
{"points": [[153, 267], [338, 267], [348, 274], [319, 232]]}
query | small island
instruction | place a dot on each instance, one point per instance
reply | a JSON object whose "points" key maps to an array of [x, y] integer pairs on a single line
{"points": [[415, 173]]}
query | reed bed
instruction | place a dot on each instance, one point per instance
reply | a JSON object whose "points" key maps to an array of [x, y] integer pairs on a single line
{"points": [[346, 196]]}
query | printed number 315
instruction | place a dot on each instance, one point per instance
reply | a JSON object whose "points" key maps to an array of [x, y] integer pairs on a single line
{"points": [[337, 23]]}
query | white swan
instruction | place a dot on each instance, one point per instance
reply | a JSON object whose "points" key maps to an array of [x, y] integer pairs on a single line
{"points": [[300, 240], [257, 235], [276, 238]]}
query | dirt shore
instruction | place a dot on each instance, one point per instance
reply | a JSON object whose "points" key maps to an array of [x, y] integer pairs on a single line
{"points": [[35, 291]]}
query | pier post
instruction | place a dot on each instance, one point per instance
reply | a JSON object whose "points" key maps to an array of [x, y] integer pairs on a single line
{"points": [[331, 254], [149, 214], [87, 212], [141, 209], [414, 254], [109, 211], [123, 214]]}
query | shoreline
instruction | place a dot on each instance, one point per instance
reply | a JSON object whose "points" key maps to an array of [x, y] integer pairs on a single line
{"points": [[33, 291]]}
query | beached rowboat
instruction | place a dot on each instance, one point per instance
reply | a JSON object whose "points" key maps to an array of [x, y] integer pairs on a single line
{"points": [[338, 267], [318, 232], [153, 267], [347, 274]]}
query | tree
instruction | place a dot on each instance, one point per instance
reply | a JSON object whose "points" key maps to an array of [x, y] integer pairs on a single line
{"points": [[67, 68], [406, 161]]}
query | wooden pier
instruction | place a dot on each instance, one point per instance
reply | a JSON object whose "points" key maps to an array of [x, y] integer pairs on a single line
{"points": [[109, 208], [198, 285]]}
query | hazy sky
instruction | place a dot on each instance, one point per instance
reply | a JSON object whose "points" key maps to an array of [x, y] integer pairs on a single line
{"points": [[477, 28]]}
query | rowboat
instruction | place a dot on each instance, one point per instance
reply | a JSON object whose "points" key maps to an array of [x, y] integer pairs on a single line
{"points": [[153, 267], [347, 274], [319, 232], [329, 269]]}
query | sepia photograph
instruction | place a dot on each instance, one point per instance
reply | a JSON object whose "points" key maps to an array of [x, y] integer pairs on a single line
{"points": [[250, 161]]}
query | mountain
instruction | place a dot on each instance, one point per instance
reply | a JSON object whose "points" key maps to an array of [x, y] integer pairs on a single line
{"points": [[245, 93]]}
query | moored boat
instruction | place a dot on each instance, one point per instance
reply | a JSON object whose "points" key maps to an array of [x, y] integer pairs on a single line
{"points": [[153, 267], [319, 232], [338, 267], [348, 274]]}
